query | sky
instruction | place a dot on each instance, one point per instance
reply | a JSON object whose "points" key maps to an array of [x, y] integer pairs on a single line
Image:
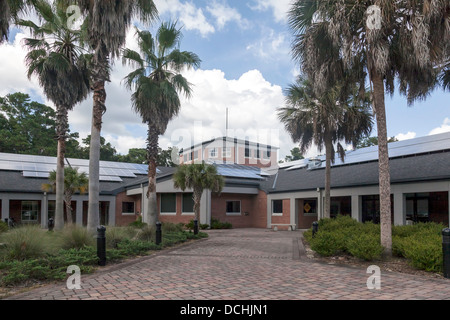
{"points": [[246, 65]]}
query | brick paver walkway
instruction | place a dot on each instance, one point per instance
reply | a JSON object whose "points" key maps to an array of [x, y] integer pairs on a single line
{"points": [[241, 264]]}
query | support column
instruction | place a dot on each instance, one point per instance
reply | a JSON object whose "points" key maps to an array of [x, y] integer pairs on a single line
{"points": [[319, 204], [399, 209], [205, 207], [44, 211], [112, 213], [356, 207], [5, 208], [79, 213], [293, 210]]}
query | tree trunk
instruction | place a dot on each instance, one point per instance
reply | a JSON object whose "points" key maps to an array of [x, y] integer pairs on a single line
{"points": [[100, 76], [61, 130], [383, 164], [197, 200], [68, 202], [152, 155], [327, 202]]}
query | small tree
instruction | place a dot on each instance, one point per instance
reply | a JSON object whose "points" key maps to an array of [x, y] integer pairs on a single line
{"points": [[74, 182], [198, 177]]}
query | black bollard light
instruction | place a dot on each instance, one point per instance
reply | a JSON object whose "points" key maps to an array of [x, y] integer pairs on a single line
{"points": [[158, 233], [315, 228], [101, 245], [446, 251], [195, 226], [51, 224]]}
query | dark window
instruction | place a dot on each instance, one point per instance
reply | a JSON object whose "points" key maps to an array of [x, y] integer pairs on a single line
{"points": [[247, 149], [127, 207], [168, 203], [188, 202], [310, 206], [233, 207], [277, 206], [196, 154]]}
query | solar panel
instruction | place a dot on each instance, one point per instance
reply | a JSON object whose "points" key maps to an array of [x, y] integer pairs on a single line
{"points": [[110, 178], [34, 174]]}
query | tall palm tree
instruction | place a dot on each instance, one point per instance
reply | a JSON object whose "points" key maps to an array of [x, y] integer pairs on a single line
{"points": [[9, 13], [59, 63], [198, 177], [106, 26], [382, 40], [325, 121], [74, 182], [157, 81]]}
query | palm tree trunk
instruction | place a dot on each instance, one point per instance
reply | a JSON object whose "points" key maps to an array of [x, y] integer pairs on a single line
{"points": [[327, 204], [197, 200], [61, 130], [152, 155], [100, 76], [383, 164], [59, 204], [68, 202]]}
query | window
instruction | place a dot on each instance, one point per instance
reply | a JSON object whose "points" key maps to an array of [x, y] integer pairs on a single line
{"points": [[247, 149], [188, 203], [277, 207], [128, 208], [168, 203], [310, 207], [51, 209], [213, 153], [196, 154], [190, 156], [233, 207], [30, 211], [227, 152], [257, 153], [185, 158], [267, 153]]}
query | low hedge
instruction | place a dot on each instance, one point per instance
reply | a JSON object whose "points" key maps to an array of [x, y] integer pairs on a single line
{"points": [[420, 244]]}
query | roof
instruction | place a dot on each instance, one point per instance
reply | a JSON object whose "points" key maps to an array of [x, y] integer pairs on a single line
{"points": [[228, 139], [430, 166]]}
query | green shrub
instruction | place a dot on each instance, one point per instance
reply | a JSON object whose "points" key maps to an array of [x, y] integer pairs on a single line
{"points": [[365, 246], [171, 227], [76, 237], [138, 223], [216, 224], [3, 226], [327, 243], [135, 247], [147, 233], [24, 242], [115, 235], [190, 225]]}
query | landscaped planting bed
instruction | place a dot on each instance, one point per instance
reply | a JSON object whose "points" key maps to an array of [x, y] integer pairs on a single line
{"points": [[419, 244]]}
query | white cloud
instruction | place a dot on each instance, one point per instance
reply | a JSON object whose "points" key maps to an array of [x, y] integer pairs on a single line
{"points": [[187, 13], [445, 127], [405, 136], [224, 14], [271, 46], [280, 8]]}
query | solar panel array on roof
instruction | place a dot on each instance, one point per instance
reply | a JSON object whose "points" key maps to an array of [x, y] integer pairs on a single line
{"points": [[427, 144], [41, 166], [238, 171]]}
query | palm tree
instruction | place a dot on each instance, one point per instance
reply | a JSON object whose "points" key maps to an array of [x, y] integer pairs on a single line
{"points": [[198, 177], [106, 26], [59, 63], [73, 182], [9, 13], [157, 81], [324, 121], [382, 40]]}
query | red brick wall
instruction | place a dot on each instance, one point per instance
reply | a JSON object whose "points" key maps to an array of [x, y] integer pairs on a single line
{"points": [[124, 220], [253, 209], [285, 218], [179, 217]]}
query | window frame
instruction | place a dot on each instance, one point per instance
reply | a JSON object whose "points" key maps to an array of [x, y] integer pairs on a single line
{"points": [[273, 207], [168, 213], [216, 153], [129, 213], [233, 213], [22, 211], [188, 213]]}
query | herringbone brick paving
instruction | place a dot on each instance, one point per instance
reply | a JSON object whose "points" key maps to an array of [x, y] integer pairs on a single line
{"points": [[241, 264]]}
